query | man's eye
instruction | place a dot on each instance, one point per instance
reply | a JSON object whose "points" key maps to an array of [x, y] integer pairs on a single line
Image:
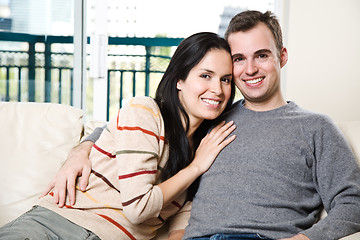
{"points": [[262, 56], [238, 59]]}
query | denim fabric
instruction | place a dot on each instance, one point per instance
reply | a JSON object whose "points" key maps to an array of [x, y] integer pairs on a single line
{"points": [[243, 236], [42, 224]]}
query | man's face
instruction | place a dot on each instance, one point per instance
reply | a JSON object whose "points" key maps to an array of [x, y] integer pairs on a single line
{"points": [[257, 65]]}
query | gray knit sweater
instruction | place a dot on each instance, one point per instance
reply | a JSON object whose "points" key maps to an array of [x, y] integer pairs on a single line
{"points": [[272, 180]]}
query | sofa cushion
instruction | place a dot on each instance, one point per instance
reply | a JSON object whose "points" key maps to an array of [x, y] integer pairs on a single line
{"points": [[35, 140]]}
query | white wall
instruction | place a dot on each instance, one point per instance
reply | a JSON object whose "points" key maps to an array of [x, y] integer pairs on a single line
{"points": [[323, 42]]}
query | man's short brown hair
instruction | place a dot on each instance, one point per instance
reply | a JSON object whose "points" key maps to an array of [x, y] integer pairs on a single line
{"points": [[247, 20]]}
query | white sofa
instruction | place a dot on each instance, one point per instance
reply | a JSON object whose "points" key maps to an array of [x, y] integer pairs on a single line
{"points": [[35, 140]]}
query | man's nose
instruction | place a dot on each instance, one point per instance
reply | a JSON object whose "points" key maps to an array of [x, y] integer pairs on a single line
{"points": [[251, 68]]}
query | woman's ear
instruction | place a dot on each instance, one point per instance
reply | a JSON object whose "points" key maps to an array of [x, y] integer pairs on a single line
{"points": [[178, 85]]}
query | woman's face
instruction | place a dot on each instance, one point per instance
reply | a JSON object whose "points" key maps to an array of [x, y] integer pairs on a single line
{"points": [[205, 93]]}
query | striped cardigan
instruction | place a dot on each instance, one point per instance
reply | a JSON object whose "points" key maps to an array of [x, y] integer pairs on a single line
{"points": [[122, 200]]}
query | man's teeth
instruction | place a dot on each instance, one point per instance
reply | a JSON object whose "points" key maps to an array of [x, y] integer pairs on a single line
{"points": [[212, 102], [255, 80]]}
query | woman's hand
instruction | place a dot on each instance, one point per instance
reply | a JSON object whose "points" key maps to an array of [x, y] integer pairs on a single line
{"points": [[211, 145], [209, 148], [176, 234], [297, 237], [77, 165]]}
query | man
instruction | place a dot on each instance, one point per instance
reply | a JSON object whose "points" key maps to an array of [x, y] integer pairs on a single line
{"points": [[285, 164]]}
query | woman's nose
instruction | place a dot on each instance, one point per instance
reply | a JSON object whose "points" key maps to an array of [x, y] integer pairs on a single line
{"points": [[216, 87]]}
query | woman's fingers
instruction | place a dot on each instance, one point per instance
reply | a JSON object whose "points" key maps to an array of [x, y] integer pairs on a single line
{"points": [[220, 132], [47, 189], [226, 142], [211, 145], [76, 165], [84, 179]]}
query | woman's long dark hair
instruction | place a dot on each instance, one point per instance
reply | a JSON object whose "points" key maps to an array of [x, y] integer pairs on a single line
{"points": [[187, 55]]}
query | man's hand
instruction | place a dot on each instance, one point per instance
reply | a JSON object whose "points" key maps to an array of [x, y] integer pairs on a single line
{"points": [[176, 234], [297, 237], [77, 165]]}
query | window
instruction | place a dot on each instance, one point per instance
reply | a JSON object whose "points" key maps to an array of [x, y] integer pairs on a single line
{"points": [[94, 54]]}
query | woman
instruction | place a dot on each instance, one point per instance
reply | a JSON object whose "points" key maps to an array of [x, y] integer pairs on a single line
{"points": [[152, 152]]}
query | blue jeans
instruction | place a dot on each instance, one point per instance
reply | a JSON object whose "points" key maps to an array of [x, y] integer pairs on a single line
{"points": [[242, 236], [42, 224]]}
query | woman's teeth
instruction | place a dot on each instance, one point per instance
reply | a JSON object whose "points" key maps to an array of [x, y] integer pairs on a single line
{"points": [[212, 102]]}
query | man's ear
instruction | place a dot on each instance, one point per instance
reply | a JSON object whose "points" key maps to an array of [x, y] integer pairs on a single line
{"points": [[283, 57]]}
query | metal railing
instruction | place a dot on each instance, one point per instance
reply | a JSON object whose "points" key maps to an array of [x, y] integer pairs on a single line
{"points": [[38, 68]]}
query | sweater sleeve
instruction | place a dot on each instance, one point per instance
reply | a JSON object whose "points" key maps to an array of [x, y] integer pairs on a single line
{"points": [[139, 141], [181, 219], [337, 179]]}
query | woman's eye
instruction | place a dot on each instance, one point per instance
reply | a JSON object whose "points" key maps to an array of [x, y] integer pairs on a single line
{"points": [[227, 80], [205, 76]]}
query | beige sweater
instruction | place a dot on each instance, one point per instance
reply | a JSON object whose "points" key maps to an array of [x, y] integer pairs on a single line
{"points": [[122, 200]]}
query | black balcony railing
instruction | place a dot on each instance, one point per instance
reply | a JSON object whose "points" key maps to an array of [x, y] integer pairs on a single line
{"points": [[39, 68]]}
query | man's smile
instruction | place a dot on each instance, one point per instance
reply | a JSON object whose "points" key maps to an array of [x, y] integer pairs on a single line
{"points": [[254, 81]]}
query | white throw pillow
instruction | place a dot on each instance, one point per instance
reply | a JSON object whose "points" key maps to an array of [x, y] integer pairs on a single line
{"points": [[35, 140]]}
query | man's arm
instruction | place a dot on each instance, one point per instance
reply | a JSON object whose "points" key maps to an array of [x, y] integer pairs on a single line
{"points": [[76, 165], [337, 179]]}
